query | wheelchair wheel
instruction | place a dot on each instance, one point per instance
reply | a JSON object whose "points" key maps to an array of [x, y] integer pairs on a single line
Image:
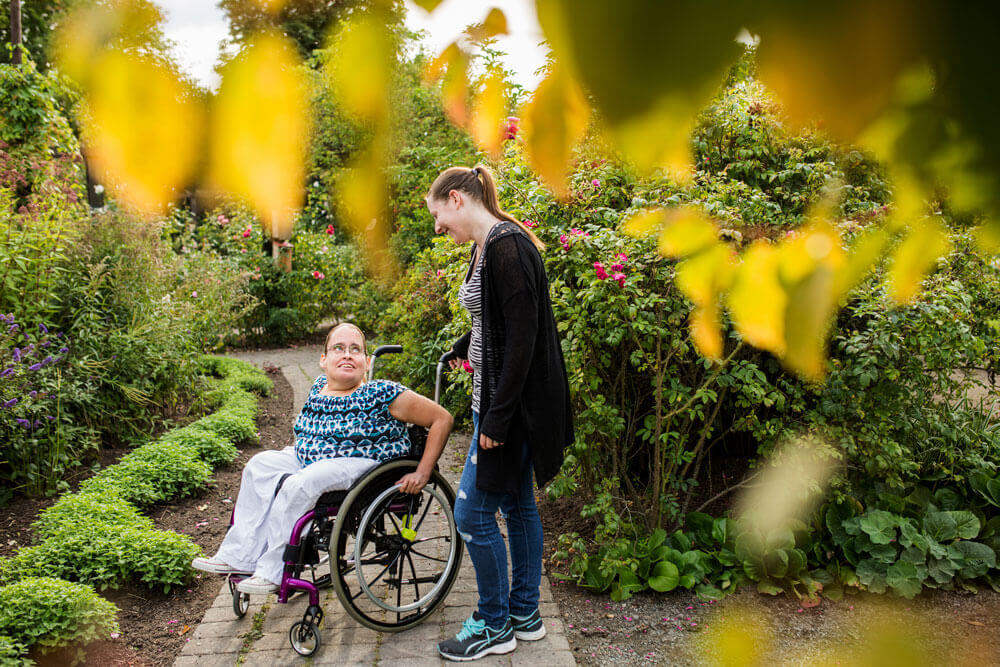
{"points": [[394, 556], [241, 603], [304, 638]]}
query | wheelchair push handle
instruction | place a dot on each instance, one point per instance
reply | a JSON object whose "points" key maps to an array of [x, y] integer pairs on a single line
{"points": [[379, 351], [442, 362]]}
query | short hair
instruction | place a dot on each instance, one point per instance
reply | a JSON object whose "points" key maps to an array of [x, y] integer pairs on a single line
{"points": [[364, 341]]}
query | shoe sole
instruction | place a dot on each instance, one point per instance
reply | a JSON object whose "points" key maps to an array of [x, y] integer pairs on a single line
{"points": [[498, 649], [216, 569], [530, 636]]}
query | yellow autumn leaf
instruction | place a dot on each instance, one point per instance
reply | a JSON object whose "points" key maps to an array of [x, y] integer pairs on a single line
{"points": [[644, 223], [272, 6], [738, 638], [926, 241], [142, 129], [488, 112], [987, 237], [808, 316], [494, 24], [702, 278], [452, 64], [360, 72], [660, 137], [706, 330], [427, 5], [362, 189], [687, 231], [757, 299], [554, 121], [260, 129]]}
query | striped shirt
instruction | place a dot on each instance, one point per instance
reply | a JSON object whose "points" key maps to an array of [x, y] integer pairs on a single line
{"points": [[470, 297]]}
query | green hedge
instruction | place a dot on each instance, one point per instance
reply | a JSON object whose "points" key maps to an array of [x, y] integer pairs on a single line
{"points": [[12, 653], [50, 613]]}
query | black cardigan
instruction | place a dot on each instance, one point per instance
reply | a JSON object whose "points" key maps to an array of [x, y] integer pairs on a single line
{"points": [[522, 359]]}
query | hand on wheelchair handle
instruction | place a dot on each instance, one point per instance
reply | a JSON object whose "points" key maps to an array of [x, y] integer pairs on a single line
{"points": [[455, 362], [413, 482], [486, 442]]}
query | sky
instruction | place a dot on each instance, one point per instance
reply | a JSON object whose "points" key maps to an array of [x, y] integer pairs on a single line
{"points": [[197, 27]]}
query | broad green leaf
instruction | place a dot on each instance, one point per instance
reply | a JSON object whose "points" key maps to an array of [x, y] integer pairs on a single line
{"points": [[769, 588], [940, 526], [872, 574], [142, 129], [776, 564], [904, 579], [926, 241], [979, 558], [757, 299], [494, 24], [913, 555], [966, 524], [554, 121], [796, 563], [360, 71], [942, 570], [780, 539], [665, 577], [260, 130], [489, 108], [880, 526]]}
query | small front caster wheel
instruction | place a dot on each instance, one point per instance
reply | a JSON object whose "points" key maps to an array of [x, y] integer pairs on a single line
{"points": [[241, 602], [304, 638]]}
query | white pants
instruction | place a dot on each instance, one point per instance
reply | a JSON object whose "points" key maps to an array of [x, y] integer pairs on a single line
{"points": [[263, 522]]}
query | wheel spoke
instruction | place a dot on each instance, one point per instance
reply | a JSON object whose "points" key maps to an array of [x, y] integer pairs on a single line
{"points": [[423, 555], [423, 515], [416, 584]]}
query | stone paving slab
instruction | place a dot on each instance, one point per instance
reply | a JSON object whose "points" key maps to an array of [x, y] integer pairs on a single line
{"points": [[219, 639]]}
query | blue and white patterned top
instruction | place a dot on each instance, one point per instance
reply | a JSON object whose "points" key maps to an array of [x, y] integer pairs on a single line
{"points": [[358, 424]]}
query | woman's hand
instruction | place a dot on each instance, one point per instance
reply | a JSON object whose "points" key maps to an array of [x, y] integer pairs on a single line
{"points": [[486, 442], [413, 482], [456, 362]]}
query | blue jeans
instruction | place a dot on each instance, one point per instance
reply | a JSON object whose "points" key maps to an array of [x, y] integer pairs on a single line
{"points": [[475, 514]]}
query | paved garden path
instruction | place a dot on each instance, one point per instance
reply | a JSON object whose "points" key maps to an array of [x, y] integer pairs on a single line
{"points": [[221, 639]]}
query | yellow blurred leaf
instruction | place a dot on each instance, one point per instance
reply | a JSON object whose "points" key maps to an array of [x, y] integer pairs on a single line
{"points": [[706, 330], [360, 73], [272, 6], [142, 129], [808, 316], [836, 62], [427, 5], [453, 65], [644, 223], [363, 189], [260, 129], [861, 259], [494, 24], [926, 241], [555, 120], [757, 299], [987, 237], [660, 137], [687, 231], [737, 639], [488, 112], [702, 278], [908, 198]]}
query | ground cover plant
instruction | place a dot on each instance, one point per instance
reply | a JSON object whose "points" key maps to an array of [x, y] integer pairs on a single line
{"points": [[98, 536]]}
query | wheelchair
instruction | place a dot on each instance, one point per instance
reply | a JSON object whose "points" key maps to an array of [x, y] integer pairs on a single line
{"points": [[393, 557]]}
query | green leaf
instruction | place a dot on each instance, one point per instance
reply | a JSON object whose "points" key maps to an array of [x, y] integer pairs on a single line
{"points": [[904, 579], [769, 588], [940, 526], [979, 558], [872, 575], [776, 563], [880, 526], [665, 577], [942, 570], [966, 524]]}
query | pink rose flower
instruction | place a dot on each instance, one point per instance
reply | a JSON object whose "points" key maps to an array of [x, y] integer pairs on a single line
{"points": [[596, 183], [617, 268], [246, 232], [510, 127], [621, 257], [467, 366], [599, 271], [620, 277], [329, 229], [318, 276]]}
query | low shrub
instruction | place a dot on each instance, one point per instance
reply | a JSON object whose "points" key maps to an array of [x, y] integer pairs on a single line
{"points": [[212, 448], [85, 509], [156, 472], [49, 613], [244, 375], [12, 653]]}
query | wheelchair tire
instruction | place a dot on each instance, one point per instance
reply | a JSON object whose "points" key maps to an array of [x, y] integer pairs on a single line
{"points": [[241, 603], [304, 638], [394, 556]]}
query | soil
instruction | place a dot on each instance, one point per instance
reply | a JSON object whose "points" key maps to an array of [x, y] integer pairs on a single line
{"points": [[155, 625]]}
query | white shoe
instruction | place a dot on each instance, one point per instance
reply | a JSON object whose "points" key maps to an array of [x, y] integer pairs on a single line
{"points": [[256, 585], [215, 566]]}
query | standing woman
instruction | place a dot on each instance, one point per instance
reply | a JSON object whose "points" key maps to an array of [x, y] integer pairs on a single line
{"points": [[520, 408]]}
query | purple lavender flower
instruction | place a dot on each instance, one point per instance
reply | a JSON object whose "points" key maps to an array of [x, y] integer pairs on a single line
{"points": [[6, 372], [47, 360], [43, 328], [59, 334], [50, 418], [35, 367], [32, 393], [23, 422], [38, 422], [11, 403], [17, 354], [63, 350], [12, 328], [46, 343]]}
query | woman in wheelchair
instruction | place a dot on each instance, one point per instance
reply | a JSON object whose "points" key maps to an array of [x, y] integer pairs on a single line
{"points": [[347, 426]]}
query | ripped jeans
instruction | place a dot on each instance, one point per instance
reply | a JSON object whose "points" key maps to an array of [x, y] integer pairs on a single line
{"points": [[475, 514]]}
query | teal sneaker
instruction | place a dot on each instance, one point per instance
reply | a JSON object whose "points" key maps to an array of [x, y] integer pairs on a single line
{"points": [[476, 640], [529, 628]]}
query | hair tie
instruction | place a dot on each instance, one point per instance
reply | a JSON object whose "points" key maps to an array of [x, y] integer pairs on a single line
{"points": [[475, 172]]}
